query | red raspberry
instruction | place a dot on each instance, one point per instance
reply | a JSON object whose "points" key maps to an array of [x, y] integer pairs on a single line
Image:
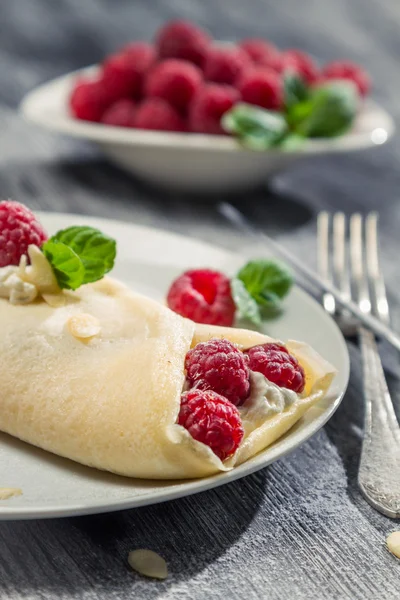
{"points": [[18, 229], [120, 114], [212, 420], [176, 81], [348, 70], [123, 72], [226, 65], [203, 296], [89, 100], [219, 366], [208, 106], [262, 87], [181, 39], [278, 366], [155, 113], [301, 63], [259, 50], [142, 54]]}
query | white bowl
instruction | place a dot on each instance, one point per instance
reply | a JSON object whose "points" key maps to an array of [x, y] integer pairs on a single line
{"points": [[187, 161]]}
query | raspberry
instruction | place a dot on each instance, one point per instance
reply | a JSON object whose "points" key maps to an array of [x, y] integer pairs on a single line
{"points": [[219, 366], [123, 72], [89, 100], [348, 70], [212, 420], [277, 365], [142, 54], [208, 106], [226, 65], [262, 87], [203, 296], [181, 39], [120, 114], [259, 50], [155, 113], [18, 229], [176, 81], [301, 63]]}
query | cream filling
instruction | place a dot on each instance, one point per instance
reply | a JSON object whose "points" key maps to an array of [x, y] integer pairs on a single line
{"points": [[22, 284], [265, 400]]}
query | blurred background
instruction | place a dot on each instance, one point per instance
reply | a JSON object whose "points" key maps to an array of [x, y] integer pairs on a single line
{"points": [[41, 39]]}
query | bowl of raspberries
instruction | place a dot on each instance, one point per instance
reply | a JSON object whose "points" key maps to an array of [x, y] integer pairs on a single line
{"points": [[192, 113]]}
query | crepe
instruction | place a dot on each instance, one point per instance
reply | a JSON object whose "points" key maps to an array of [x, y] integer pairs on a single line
{"points": [[96, 376]]}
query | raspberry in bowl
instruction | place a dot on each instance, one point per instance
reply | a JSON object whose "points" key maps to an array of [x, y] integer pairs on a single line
{"points": [[185, 144]]}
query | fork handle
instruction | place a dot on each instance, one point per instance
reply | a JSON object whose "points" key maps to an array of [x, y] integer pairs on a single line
{"points": [[379, 471]]}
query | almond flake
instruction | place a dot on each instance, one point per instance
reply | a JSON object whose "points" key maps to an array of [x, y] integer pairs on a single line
{"points": [[148, 563], [393, 543], [6, 493], [83, 326]]}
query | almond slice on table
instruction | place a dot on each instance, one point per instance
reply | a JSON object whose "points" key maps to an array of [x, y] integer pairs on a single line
{"points": [[393, 543], [148, 563]]}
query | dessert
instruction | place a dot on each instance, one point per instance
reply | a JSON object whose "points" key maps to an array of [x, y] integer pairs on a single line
{"points": [[96, 373]]}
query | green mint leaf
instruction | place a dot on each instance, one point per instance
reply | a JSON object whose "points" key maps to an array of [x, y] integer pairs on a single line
{"points": [[292, 142], [255, 128], [330, 111], [246, 306], [66, 264], [267, 281], [96, 250], [295, 89]]}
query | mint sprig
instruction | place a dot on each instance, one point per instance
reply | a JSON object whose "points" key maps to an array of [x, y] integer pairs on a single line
{"points": [[247, 307], [254, 127], [327, 110], [259, 288], [79, 255]]}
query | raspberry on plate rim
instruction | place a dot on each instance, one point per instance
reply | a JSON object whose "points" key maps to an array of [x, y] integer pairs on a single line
{"points": [[204, 296]]}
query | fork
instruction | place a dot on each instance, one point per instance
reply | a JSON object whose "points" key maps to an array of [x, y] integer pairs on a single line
{"points": [[353, 266]]}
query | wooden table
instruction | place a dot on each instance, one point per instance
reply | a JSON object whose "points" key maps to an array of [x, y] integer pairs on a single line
{"points": [[298, 529]]}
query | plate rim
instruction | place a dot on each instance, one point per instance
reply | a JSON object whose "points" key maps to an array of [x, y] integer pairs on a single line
{"points": [[104, 134], [203, 484]]}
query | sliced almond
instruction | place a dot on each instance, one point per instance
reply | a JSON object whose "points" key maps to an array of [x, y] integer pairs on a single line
{"points": [[83, 326], [393, 543], [55, 300], [148, 563], [6, 493], [39, 272]]}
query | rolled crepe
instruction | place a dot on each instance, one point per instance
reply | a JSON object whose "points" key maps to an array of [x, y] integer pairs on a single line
{"points": [[111, 400]]}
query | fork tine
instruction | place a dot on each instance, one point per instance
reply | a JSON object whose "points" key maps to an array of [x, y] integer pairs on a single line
{"points": [[339, 254], [324, 265], [373, 270], [357, 264]]}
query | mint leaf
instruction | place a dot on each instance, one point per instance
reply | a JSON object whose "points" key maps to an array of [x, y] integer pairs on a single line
{"points": [[330, 111], [267, 281], [295, 89], [292, 142], [95, 250], [66, 264], [255, 128], [246, 306]]}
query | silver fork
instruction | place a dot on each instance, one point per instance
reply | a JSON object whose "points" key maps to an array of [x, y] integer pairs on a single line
{"points": [[353, 267]]}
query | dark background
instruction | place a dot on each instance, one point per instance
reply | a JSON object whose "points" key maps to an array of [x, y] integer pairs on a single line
{"points": [[298, 529]]}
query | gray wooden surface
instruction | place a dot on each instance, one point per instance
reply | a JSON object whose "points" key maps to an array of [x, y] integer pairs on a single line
{"points": [[298, 529]]}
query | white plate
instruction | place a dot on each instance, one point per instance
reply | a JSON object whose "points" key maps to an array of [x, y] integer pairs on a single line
{"points": [[148, 260], [191, 162]]}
